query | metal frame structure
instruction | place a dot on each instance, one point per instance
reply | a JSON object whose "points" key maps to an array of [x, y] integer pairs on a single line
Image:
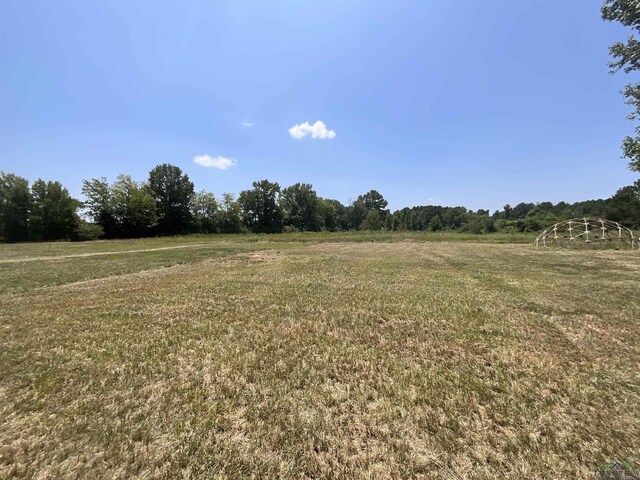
{"points": [[587, 232]]}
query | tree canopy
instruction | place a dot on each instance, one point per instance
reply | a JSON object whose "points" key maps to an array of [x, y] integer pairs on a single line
{"points": [[15, 202], [626, 57], [134, 207], [99, 206], [204, 209], [261, 207], [300, 207], [52, 215], [173, 193]]}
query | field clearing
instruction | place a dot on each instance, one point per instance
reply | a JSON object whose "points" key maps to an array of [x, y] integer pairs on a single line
{"points": [[35, 250], [298, 356]]}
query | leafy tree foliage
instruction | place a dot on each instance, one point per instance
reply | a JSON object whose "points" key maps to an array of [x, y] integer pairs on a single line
{"points": [[373, 200], [358, 211], [522, 209], [479, 224], [624, 206], [626, 56], [122, 210], [372, 221], [300, 207], [173, 193], [15, 201], [420, 218], [129, 209], [134, 207], [53, 212], [261, 207], [229, 218], [44, 212], [333, 214], [342, 214], [88, 231], [99, 205], [204, 210], [435, 224]]}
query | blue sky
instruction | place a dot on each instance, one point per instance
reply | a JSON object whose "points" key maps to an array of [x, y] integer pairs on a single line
{"points": [[473, 103]]}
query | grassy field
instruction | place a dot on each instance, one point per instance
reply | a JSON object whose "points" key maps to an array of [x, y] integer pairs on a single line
{"points": [[322, 356]]}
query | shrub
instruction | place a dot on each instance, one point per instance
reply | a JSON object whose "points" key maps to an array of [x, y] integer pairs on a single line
{"points": [[88, 231]]}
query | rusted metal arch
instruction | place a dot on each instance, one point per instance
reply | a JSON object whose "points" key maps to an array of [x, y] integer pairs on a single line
{"points": [[586, 232]]}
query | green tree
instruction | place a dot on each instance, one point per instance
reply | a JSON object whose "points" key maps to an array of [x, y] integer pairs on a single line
{"points": [[370, 201], [204, 210], [519, 211], [373, 200], [99, 205], [435, 224], [134, 207], [332, 215], [261, 207], [229, 219], [173, 192], [88, 231], [479, 224], [626, 56], [418, 219], [372, 221], [53, 212], [356, 213], [15, 201], [300, 207], [404, 218], [508, 211], [389, 223], [624, 206], [341, 215]]}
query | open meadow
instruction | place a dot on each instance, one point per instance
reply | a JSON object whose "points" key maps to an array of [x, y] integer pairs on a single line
{"points": [[317, 356]]}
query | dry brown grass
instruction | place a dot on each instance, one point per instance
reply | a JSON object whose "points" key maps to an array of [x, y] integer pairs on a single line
{"points": [[386, 360]]}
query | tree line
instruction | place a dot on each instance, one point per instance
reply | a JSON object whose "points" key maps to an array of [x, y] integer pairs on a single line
{"points": [[623, 207], [166, 203]]}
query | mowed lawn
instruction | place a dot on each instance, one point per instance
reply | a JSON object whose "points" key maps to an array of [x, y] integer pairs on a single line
{"points": [[318, 360]]}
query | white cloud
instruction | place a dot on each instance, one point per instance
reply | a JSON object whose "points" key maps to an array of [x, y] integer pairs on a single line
{"points": [[247, 124], [219, 162], [317, 130]]}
